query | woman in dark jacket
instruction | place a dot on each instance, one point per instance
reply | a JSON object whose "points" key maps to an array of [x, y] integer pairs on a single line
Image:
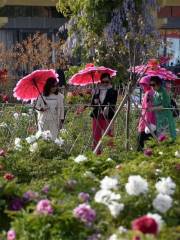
{"points": [[103, 102]]}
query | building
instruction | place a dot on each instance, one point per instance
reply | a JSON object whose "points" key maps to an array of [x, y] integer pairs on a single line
{"points": [[19, 18], [169, 16]]}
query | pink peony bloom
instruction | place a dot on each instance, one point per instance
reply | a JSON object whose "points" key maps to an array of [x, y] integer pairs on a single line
{"points": [[84, 213], [11, 235], [44, 207], [146, 225], [2, 153], [83, 197], [148, 152], [162, 137]]}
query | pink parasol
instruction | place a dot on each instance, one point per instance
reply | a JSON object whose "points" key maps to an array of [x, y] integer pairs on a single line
{"points": [[154, 69], [31, 86], [90, 75]]}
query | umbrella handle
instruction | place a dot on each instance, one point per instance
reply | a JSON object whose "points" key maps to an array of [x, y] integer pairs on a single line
{"points": [[35, 84]]}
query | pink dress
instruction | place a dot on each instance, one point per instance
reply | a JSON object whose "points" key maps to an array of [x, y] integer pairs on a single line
{"points": [[146, 116]]}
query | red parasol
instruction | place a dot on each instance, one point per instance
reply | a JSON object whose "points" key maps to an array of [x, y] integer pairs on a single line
{"points": [[154, 69], [31, 86], [90, 75]]}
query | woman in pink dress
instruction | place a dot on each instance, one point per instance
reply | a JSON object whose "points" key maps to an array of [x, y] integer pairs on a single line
{"points": [[147, 121]]}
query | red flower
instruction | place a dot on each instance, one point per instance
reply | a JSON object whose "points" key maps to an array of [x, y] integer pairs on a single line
{"points": [[145, 225], [148, 152], [2, 153], [136, 238], [162, 138], [8, 176], [5, 98]]}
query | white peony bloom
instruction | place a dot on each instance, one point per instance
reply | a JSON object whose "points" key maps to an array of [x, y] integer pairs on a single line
{"points": [[136, 185], [122, 229], [115, 208], [80, 158], [17, 141], [17, 144], [46, 135], [16, 115], [177, 154], [166, 186], [106, 196], [3, 124], [63, 131], [89, 174], [161, 153], [113, 237], [59, 141], [25, 115], [38, 134], [109, 160], [109, 183], [33, 147], [158, 219], [31, 139], [162, 203]]}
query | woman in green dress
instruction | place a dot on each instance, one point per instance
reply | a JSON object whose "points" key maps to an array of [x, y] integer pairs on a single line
{"points": [[161, 107]]}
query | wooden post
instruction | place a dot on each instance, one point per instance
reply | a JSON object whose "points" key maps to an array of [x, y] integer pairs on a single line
{"points": [[127, 123]]}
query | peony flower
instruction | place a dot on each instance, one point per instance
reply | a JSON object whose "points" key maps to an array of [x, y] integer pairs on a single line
{"points": [[177, 154], [4, 125], [80, 158], [30, 195], [113, 237], [2, 153], [89, 174], [16, 115], [109, 183], [46, 135], [25, 115], [162, 137], [11, 235], [106, 197], [16, 204], [59, 141], [136, 185], [166, 186], [109, 160], [162, 203], [148, 152], [122, 229], [146, 225], [84, 213], [5, 98], [115, 208], [17, 142], [83, 197], [33, 147], [161, 153], [31, 139], [46, 189], [158, 219], [44, 207], [8, 176]]}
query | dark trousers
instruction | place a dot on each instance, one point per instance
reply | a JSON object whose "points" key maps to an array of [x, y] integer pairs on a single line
{"points": [[142, 137]]}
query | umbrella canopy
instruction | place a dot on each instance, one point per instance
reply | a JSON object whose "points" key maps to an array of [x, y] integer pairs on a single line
{"points": [[32, 85], [90, 75], [154, 69]]}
